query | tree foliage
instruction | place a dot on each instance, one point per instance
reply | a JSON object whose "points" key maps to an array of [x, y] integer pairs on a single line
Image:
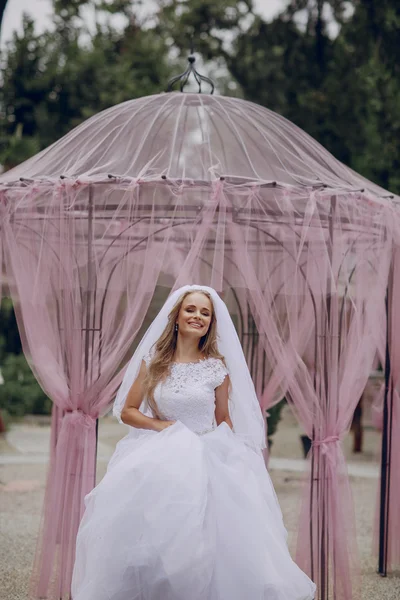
{"points": [[54, 81], [20, 393], [332, 67]]}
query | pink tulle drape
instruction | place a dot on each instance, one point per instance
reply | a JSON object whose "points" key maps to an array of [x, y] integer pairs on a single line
{"points": [[325, 383], [76, 330], [312, 287], [181, 188]]}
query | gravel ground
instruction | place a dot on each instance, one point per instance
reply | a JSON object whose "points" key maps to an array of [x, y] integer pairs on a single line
{"points": [[21, 496]]}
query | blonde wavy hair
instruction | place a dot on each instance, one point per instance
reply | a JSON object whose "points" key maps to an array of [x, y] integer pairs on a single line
{"points": [[164, 350]]}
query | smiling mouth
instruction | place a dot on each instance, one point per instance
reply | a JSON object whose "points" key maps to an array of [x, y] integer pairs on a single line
{"points": [[195, 325]]}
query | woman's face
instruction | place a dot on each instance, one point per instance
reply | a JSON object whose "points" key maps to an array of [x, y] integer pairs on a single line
{"points": [[195, 314]]}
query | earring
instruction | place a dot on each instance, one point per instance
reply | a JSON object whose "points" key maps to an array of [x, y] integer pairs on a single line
{"points": [[176, 326]]}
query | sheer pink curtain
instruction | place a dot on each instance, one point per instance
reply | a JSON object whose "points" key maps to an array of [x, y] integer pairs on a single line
{"points": [[80, 297], [341, 276], [315, 286]]}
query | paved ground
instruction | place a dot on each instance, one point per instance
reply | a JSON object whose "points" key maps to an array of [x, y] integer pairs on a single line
{"points": [[23, 458]]}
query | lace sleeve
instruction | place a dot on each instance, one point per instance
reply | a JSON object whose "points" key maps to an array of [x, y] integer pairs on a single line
{"points": [[148, 357], [219, 372]]}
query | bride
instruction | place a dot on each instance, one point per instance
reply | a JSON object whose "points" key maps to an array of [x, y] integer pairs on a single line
{"points": [[187, 510]]}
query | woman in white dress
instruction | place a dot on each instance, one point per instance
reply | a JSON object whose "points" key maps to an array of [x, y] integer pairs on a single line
{"points": [[187, 510]]}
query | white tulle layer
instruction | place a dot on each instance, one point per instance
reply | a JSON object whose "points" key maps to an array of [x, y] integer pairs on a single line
{"points": [[185, 517]]}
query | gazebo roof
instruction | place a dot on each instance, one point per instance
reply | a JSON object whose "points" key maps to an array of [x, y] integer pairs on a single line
{"points": [[186, 136]]}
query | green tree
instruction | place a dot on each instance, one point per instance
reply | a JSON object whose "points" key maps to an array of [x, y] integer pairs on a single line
{"points": [[20, 94], [20, 393], [343, 89], [54, 81], [367, 58]]}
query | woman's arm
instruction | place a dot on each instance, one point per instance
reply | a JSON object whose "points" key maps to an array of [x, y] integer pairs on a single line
{"points": [[221, 403], [131, 414]]}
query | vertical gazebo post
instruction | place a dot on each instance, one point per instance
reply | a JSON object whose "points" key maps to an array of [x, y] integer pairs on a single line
{"points": [[386, 442]]}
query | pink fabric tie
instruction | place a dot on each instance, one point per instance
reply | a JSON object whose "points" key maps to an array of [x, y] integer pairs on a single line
{"points": [[78, 417], [327, 449], [327, 440]]}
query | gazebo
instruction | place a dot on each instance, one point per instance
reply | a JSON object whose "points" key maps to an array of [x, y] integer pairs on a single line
{"points": [[182, 188]]}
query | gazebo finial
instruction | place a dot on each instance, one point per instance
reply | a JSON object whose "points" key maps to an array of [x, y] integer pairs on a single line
{"points": [[184, 77]]}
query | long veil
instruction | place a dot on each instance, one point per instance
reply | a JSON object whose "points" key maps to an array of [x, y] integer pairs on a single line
{"points": [[244, 408]]}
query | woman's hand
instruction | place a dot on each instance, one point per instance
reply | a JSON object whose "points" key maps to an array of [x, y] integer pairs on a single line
{"points": [[161, 425]]}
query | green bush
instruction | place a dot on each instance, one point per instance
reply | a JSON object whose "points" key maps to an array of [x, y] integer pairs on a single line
{"points": [[21, 394]]}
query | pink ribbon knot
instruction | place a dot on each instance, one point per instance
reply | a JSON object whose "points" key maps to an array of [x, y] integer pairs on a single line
{"points": [[327, 449], [327, 440], [78, 417]]}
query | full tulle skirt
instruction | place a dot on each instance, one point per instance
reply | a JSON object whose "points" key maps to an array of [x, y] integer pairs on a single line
{"points": [[180, 516]]}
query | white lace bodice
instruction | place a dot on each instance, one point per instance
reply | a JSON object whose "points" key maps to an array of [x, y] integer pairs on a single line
{"points": [[188, 394]]}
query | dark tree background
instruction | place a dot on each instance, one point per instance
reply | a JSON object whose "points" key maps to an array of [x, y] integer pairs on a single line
{"points": [[330, 66]]}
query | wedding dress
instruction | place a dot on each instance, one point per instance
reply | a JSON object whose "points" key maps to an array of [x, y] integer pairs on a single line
{"points": [[188, 513]]}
